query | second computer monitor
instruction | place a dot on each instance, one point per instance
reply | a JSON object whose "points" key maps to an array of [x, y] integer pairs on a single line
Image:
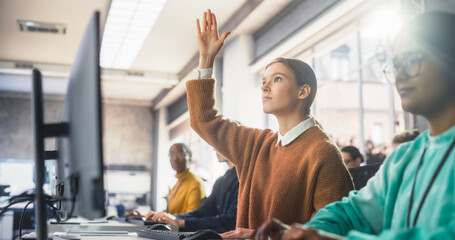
{"points": [[80, 154]]}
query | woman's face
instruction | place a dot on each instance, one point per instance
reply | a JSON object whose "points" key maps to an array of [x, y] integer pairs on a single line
{"points": [[177, 157], [349, 161], [279, 90], [429, 90]]}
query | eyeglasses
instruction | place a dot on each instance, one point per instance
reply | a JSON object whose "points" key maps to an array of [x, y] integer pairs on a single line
{"points": [[409, 64], [181, 154]]}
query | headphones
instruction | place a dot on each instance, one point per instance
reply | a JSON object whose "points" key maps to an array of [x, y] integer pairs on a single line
{"points": [[186, 150]]}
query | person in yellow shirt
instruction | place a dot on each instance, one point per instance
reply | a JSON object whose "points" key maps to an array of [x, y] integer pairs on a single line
{"points": [[188, 193]]}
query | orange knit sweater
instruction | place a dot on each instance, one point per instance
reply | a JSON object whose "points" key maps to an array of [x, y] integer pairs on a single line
{"points": [[290, 183]]}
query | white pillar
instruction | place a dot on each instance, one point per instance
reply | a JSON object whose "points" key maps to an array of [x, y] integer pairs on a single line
{"points": [[165, 174]]}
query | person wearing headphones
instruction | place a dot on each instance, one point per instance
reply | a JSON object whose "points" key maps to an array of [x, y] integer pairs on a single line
{"points": [[188, 193]]}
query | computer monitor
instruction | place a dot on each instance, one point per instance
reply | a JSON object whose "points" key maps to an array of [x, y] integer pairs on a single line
{"points": [[361, 175], [80, 155], [79, 136]]}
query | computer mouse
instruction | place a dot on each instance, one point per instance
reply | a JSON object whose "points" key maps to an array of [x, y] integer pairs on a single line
{"points": [[204, 234], [112, 218], [159, 226], [150, 222]]}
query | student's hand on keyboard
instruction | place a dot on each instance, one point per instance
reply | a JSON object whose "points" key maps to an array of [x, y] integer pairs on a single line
{"points": [[150, 215], [133, 213], [239, 233], [168, 218]]}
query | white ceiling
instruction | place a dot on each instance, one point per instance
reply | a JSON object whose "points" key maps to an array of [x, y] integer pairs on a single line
{"points": [[168, 49]]}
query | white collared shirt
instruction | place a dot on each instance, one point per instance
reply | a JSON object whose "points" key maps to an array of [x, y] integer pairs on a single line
{"points": [[289, 136], [203, 73], [295, 132]]}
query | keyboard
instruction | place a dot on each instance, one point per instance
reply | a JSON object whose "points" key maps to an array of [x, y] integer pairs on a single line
{"points": [[162, 234]]}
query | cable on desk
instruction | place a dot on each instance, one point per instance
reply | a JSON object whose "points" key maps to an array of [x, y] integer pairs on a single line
{"points": [[12, 203], [21, 222]]}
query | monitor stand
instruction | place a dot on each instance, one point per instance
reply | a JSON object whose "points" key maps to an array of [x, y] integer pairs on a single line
{"points": [[41, 131]]}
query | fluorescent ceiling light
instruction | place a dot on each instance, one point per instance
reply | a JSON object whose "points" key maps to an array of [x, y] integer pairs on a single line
{"points": [[385, 24], [128, 25]]}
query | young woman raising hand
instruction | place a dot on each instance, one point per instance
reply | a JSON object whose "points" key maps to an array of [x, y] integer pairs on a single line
{"points": [[289, 174]]}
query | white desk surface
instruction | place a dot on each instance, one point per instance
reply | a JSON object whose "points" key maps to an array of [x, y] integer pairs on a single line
{"points": [[130, 236], [110, 225]]}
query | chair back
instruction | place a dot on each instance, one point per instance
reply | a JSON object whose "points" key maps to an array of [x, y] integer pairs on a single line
{"points": [[361, 175]]}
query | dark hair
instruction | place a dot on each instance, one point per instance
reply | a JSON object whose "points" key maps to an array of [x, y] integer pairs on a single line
{"points": [[303, 74], [435, 31], [185, 149], [353, 151], [405, 136]]}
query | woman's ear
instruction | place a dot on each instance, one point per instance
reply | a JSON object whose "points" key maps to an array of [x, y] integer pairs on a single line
{"points": [[358, 160], [304, 91]]}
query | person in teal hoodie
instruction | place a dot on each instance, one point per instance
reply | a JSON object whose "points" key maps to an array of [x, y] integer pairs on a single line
{"points": [[413, 194]]}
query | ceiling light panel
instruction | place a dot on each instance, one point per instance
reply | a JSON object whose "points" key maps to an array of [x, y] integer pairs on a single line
{"points": [[41, 27], [128, 24]]}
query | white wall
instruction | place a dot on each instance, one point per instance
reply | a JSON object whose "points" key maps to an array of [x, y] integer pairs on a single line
{"points": [[241, 88], [166, 175]]}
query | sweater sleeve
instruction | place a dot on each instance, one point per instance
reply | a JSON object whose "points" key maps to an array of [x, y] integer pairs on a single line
{"points": [[418, 233], [333, 181], [227, 137], [362, 210], [207, 217], [362, 214], [219, 223]]}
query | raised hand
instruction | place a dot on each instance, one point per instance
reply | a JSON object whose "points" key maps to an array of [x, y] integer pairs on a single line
{"points": [[208, 41]]}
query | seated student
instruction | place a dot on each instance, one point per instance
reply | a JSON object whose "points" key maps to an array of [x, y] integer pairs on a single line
{"points": [[219, 210], [403, 137], [289, 174], [351, 156], [188, 193], [412, 195], [374, 154]]}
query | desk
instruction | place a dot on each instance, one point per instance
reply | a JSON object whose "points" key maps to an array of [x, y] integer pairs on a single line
{"points": [[56, 230], [109, 225], [130, 236]]}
